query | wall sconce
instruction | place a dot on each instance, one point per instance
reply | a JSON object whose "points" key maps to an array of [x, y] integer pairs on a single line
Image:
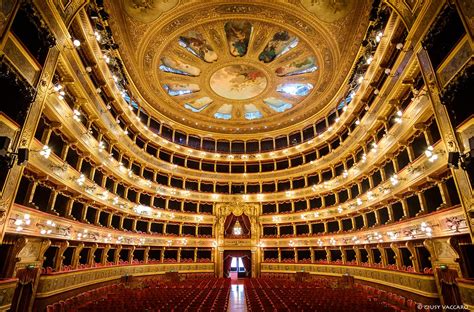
{"points": [[20, 222]]}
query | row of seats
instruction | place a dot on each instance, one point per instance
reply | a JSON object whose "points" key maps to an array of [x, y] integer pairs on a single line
{"points": [[390, 299], [270, 294], [197, 275], [72, 304], [203, 294]]}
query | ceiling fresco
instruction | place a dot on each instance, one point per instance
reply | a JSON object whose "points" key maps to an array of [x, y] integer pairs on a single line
{"points": [[251, 66]]}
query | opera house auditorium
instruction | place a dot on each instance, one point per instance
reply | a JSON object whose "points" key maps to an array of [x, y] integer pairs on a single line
{"points": [[236, 155]]}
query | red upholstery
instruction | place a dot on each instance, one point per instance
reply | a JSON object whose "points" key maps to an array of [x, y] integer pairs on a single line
{"points": [[210, 294], [272, 294]]}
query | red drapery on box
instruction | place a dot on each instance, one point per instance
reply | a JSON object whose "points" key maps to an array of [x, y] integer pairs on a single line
{"points": [[232, 219], [24, 291], [449, 287]]}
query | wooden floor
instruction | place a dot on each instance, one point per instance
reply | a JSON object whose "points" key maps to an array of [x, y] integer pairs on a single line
{"points": [[237, 296]]}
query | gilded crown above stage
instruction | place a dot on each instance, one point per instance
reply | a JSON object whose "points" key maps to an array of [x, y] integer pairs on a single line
{"points": [[253, 66]]}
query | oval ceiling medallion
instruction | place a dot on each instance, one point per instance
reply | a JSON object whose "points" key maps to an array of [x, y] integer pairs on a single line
{"points": [[237, 70], [238, 82]]}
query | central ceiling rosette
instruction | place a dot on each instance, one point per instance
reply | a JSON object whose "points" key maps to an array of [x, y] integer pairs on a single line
{"points": [[241, 70]]}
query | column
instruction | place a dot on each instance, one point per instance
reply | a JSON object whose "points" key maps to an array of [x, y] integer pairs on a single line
{"points": [[370, 255], [404, 207], [68, 209], [390, 213], [377, 217], [84, 213], [328, 254], [64, 151], [104, 258], [383, 255], [134, 225], [117, 254], [364, 218], [448, 134], [58, 260], [97, 217], [413, 258], [120, 227], [357, 255], [109, 220], [30, 193], [444, 194], [76, 256], [421, 198], [51, 201], [146, 254], [130, 255], [398, 256], [90, 257], [344, 256]]}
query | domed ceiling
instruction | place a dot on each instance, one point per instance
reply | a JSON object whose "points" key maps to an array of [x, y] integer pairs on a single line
{"points": [[238, 66]]}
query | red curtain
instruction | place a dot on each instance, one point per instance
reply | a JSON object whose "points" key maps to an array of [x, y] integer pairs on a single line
{"points": [[247, 262], [24, 290], [232, 219], [227, 266], [449, 287], [229, 222], [245, 222], [246, 256]]}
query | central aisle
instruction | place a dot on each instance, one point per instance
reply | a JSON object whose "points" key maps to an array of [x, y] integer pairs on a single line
{"points": [[237, 297]]}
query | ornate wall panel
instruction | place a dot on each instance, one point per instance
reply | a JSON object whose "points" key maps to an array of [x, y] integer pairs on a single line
{"points": [[61, 282], [419, 284], [7, 290]]}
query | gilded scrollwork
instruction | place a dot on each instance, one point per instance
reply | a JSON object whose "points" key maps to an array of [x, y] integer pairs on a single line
{"points": [[207, 18]]}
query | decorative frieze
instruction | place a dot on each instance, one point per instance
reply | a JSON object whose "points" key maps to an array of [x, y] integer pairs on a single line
{"points": [[417, 283]]}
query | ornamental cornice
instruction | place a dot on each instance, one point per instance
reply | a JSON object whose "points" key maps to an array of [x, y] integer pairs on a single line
{"points": [[66, 229], [294, 17], [401, 232]]}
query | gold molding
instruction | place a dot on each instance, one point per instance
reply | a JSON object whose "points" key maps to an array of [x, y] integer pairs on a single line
{"points": [[416, 283]]}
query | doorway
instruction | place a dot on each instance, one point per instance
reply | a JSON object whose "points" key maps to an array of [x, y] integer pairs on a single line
{"points": [[237, 268], [237, 264]]}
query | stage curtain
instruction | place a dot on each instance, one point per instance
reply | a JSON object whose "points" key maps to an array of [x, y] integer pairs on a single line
{"points": [[246, 261], [449, 287], [246, 256], [227, 265], [24, 291]]}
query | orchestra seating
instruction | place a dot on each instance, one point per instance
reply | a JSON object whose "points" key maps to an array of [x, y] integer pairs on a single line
{"points": [[211, 294], [202, 292], [320, 294]]}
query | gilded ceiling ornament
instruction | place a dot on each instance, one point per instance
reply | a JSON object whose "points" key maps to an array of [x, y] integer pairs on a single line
{"points": [[190, 46], [328, 10], [147, 11], [230, 83]]}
